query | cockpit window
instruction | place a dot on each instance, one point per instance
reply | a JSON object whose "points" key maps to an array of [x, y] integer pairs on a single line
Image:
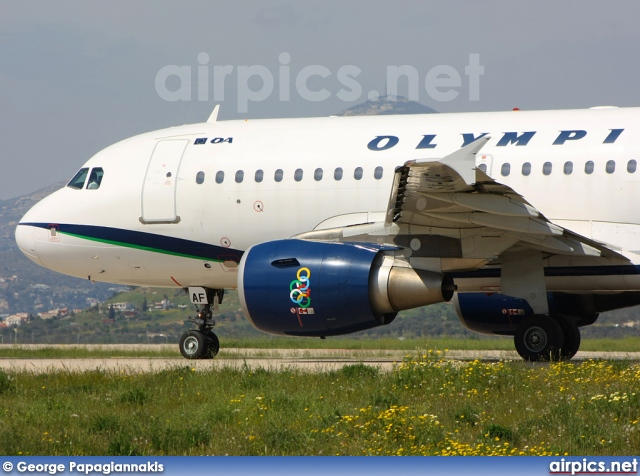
{"points": [[78, 180], [95, 179]]}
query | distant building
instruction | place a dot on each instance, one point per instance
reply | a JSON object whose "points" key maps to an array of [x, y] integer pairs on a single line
{"points": [[123, 306], [17, 319], [48, 315], [162, 305], [53, 313]]}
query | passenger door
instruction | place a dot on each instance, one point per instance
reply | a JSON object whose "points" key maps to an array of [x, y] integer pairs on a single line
{"points": [[159, 186]]}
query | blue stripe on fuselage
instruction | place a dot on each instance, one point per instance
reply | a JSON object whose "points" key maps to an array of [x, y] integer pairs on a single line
{"points": [[149, 241]]}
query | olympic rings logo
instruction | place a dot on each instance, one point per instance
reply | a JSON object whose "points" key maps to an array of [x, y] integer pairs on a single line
{"points": [[299, 291]]}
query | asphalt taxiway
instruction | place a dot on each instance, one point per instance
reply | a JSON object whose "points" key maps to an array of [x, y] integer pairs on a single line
{"points": [[313, 360]]}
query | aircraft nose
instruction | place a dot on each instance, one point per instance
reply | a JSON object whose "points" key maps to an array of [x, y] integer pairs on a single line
{"points": [[26, 242]]}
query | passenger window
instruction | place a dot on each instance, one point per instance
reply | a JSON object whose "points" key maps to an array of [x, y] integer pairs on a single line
{"points": [[631, 166], [337, 174], [259, 176], [220, 176], [546, 168], [526, 168], [357, 173], [278, 175], [611, 166], [200, 178], [317, 175], [588, 167], [377, 173], [95, 179], [483, 167], [78, 180], [298, 175], [239, 176], [568, 168], [505, 170]]}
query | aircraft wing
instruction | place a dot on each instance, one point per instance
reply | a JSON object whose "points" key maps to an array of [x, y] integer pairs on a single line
{"points": [[451, 210], [451, 198]]}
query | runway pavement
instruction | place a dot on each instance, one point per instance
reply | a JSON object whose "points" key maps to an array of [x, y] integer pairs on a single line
{"points": [[313, 360]]}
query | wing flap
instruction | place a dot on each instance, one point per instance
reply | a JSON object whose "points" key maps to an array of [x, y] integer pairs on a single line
{"points": [[490, 203]]}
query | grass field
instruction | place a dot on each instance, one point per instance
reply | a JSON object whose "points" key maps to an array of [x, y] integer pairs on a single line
{"points": [[630, 344], [426, 405]]}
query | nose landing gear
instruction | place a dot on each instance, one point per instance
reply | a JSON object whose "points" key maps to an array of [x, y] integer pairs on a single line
{"points": [[202, 343]]}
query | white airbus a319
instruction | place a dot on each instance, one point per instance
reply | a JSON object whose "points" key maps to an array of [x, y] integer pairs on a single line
{"points": [[529, 221]]}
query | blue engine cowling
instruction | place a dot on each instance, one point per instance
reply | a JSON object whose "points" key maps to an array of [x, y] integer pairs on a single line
{"points": [[310, 288], [491, 313], [495, 313]]}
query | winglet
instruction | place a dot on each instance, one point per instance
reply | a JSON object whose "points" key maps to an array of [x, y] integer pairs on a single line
{"points": [[463, 160], [214, 114]]}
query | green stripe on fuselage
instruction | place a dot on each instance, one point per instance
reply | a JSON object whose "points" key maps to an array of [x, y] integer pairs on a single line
{"points": [[139, 247]]}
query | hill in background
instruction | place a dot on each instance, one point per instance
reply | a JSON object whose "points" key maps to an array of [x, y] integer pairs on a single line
{"points": [[387, 105]]}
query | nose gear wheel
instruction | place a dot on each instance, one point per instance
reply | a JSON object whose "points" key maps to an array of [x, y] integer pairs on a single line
{"points": [[202, 343]]}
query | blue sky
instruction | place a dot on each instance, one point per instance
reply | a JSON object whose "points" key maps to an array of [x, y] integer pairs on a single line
{"points": [[76, 76]]}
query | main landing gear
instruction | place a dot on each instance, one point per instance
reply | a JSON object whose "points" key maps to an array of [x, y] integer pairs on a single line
{"points": [[202, 343], [541, 338]]}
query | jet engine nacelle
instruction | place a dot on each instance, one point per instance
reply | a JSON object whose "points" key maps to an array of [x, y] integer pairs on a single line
{"points": [[310, 288], [495, 313]]}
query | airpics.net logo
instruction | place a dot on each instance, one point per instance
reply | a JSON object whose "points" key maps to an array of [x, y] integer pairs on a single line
{"points": [[587, 466], [312, 83]]}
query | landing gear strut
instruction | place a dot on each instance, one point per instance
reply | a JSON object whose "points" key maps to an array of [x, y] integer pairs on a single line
{"points": [[202, 343], [571, 338]]}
